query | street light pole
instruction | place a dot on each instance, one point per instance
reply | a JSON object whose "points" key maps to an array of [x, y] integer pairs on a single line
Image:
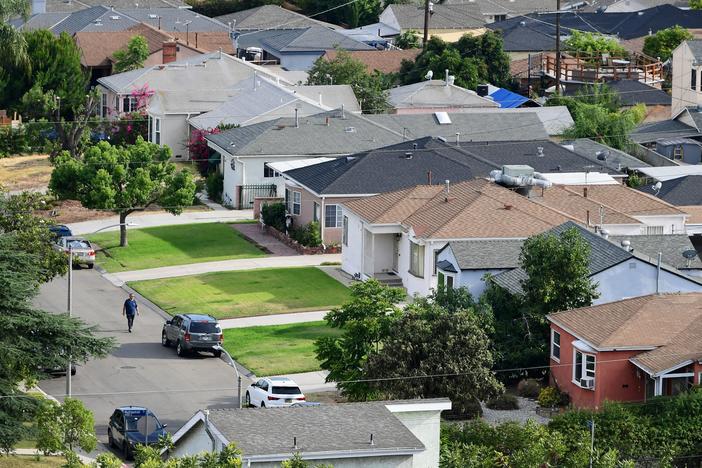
{"points": [[230, 362]]}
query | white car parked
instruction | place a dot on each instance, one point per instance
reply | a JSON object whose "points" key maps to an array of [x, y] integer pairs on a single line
{"points": [[273, 391]]}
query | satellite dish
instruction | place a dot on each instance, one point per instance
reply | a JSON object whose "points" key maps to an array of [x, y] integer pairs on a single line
{"points": [[657, 187], [689, 254]]}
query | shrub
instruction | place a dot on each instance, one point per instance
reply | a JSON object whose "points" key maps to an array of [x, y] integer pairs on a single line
{"points": [[549, 397], [274, 215], [215, 186], [529, 388], [506, 401], [465, 409], [308, 235]]}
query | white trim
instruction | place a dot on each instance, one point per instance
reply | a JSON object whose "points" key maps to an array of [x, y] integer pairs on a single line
{"points": [[675, 376], [335, 454], [553, 332], [413, 407], [596, 348], [584, 347]]}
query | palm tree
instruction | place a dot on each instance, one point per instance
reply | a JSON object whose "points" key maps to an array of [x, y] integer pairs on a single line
{"points": [[14, 47]]}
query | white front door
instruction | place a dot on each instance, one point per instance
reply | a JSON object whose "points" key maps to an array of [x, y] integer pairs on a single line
{"points": [[395, 252], [368, 253]]}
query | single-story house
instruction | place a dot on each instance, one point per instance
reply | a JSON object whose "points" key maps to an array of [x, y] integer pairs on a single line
{"points": [[269, 17], [399, 434], [685, 124], [395, 236], [599, 153], [385, 61], [58, 6], [297, 48], [619, 272], [677, 250], [629, 350], [684, 150], [448, 21], [435, 96]]}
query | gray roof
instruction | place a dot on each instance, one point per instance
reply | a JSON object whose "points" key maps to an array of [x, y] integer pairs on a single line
{"points": [[473, 126], [512, 7], [98, 18], [480, 254], [175, 19], [682, 191], [648, 133], [325, 428], [603, 255], [695, 47], [75, 5], [269, 17], [590, 149], [309, 39], [630, 92], [389, 168], [435, 93], [527, 35], [446, 16], [671, 246], [312, 137]]}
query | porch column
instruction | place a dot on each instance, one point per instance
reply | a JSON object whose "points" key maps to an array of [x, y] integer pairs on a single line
{"points": [[658, 387]]}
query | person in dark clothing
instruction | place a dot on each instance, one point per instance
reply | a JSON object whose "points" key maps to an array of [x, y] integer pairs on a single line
{"points": [[130, 309]]}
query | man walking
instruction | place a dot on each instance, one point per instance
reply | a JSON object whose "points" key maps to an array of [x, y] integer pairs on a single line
{"points": [[130, 309]]}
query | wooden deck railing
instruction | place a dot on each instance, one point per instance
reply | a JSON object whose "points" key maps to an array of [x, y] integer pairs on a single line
{"points": [[593, 67]]}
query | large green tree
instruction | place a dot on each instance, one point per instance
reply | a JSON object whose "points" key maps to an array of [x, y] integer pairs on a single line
{"points": [[592, 44], [123, 179], [352, 15], [344, 69], [365, 321], [65, 427], [416, 367], [132, 56], [662, 44]]}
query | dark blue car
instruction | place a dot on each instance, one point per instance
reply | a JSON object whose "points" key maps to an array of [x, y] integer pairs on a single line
{"points": [[60, 230], [133, 425]]}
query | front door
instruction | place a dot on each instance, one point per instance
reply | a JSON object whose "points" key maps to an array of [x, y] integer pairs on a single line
{"points": [[395, 252], [368, 267]]}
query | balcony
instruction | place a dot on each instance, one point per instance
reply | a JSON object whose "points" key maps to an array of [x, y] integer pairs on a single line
{"points": [[591, 67]]}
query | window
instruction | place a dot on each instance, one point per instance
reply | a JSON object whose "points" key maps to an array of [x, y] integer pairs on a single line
{"points": [[416, 259], [345, 232], [441, 279], [449, 282], [296, 202], [584, 369], [157, 131], [653, 230], [104, 108], [500, 18], [332, 216], [693, 79], [129, 104], [268, 172], [555, 345], [286, 391], [288, 201]]}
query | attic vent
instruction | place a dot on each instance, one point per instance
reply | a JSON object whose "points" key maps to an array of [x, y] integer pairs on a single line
{"points": [[443, 118], [350, 129], [408, 155]]}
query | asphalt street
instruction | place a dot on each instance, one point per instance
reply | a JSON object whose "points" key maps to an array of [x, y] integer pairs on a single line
{"points": [[139, 371]]}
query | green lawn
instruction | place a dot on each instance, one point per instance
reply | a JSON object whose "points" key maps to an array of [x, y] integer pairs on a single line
{"points": [[246, 293], [277, 349], [173, 245]]}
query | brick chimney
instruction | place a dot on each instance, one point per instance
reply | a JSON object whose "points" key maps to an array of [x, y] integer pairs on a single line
{"points": [[169, 51]]}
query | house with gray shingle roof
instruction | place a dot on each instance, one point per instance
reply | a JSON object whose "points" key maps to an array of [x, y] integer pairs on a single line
{"points": [[269, 17], [400, 433]]}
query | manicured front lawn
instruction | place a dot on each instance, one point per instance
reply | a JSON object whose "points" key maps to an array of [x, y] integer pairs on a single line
{"points": [[26, 461], [230, 294], [173, 245], [277, 349]]}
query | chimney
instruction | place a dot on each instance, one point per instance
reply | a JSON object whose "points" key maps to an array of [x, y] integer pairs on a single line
{"points": [[447, 190], [169, 52], [585, 191]]}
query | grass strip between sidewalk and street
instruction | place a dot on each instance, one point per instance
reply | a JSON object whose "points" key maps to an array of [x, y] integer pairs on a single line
{"points": [[246, 293], [173, 245], [277, 349]]}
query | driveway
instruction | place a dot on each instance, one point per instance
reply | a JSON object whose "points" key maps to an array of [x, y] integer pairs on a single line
{"points": [[139, 371]]}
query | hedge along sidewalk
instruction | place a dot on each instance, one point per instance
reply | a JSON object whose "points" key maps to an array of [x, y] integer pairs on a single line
{"points": [[235, 294], [277, 349], [173, 245]]}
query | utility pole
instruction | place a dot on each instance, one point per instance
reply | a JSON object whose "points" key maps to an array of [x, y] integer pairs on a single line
{"points": [[69, 308], [558, 47], [426, 24]]}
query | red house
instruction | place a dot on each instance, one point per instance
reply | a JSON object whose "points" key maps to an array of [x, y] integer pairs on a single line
{"points": [[628, 350]]}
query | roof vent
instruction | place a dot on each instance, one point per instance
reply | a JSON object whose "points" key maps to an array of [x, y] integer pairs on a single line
{"points": [[408, 155], [443, 118], [440, 138], [508, 207], [540, 151], [522, 23], [350, 129], [626, 244], [152, 16], [114, 17]]}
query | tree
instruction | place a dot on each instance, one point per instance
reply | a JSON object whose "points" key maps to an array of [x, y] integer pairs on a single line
{"points": [[459, 367], [344, 69], [150, 457], [62, 428], [662, 44], [365, 321], [695, 4], [14, 46], [408, 40], [123, 179], [297, 462], [589, 44], [132, 56], [353, 15]]}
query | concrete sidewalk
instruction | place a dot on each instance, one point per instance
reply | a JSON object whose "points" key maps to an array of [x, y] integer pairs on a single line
{"points": [[278, 319], [161, 219], [118, 279]]}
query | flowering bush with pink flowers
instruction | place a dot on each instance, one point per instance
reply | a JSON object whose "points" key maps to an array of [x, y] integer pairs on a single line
{"points": [[199, 151]]}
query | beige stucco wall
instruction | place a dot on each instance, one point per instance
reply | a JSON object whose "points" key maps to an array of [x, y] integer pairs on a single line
{"points": [[683, 96]]}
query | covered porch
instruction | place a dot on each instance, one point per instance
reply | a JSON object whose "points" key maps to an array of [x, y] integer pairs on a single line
{"points": [[381, 254], [671, 382]]}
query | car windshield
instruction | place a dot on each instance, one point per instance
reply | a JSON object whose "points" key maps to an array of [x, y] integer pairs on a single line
{"points": [[204, 327], [79, 244], [286, 390], [141, 422]]}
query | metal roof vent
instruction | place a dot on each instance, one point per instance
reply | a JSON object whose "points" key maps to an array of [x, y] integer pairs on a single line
{"points": [[350, 129], [540, 151], [443, 118], [114, 17], [408, 155], [626, 244]]}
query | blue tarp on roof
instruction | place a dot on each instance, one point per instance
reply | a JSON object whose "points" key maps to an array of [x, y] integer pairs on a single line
{"points": [[507, 99]]}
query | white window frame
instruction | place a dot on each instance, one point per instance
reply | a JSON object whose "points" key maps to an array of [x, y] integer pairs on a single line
{"points": [[104, 107], [584, 371], [131, 104], [345, 231], [653, 230], [451, 279], [157, 130], [269, 172], [296, 203], [554, 345], [337, 216], [416, 251]]}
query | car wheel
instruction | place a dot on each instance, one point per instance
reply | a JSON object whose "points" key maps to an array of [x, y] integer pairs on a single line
{"points": [[90, 266], [179, 350], [73, 370], [125, 450], [164, 340], [263, 405], [110, 440], [247, 400], [217, 353]]}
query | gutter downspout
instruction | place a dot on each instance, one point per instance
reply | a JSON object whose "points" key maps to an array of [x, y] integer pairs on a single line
{"points": [[658, 273]]}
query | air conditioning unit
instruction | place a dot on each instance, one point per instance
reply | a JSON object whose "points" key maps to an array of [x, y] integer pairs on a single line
{"points": [[587, 383], [518, 170]]}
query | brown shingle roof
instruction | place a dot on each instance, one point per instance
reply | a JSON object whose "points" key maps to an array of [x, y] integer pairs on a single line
{"points": [[475, 209], [629, 201], [577, 206], [695, 212], [97, 48], [669, 323], [386, 61], [207, 41]]}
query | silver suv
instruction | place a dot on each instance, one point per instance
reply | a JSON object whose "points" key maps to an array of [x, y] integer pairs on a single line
{"points": [[192, 332]]}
